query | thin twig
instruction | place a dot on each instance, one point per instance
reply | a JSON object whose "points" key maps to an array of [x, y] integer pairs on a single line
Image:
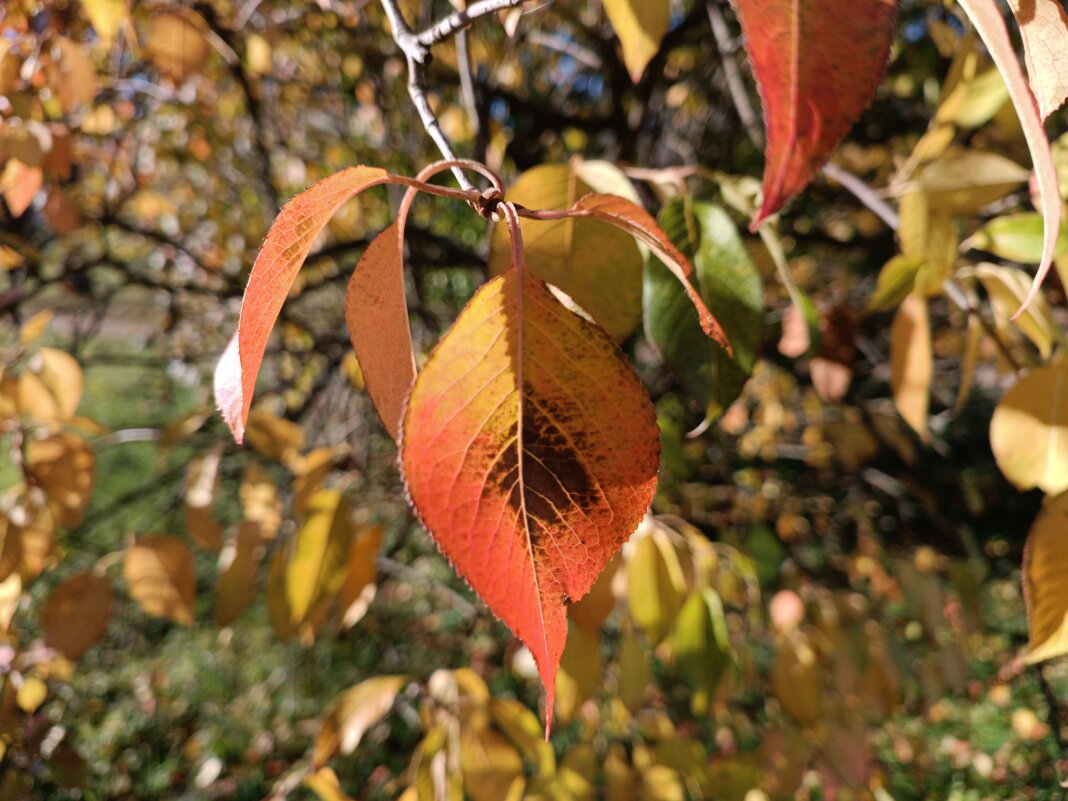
{"points": [[451, 25], [732, 73]]}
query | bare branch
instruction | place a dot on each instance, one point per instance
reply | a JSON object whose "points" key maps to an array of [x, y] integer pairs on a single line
{"points": [[451, 25]]}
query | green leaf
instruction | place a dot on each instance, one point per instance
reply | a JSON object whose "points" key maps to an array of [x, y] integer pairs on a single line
{"points": [[729, 285], [701, 646], [1016, 237]]}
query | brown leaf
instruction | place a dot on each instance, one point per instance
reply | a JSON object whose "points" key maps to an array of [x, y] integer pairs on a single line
{"points": [[62, 465], [77, 613], [161, 577]]}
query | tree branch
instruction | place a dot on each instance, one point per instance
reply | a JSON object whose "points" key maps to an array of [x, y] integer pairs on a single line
{"points": [[451, 25]]}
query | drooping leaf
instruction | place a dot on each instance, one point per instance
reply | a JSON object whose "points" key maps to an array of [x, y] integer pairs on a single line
{"points": [[352, 713], [377, 318], [161, 577], [817, 66], [1029, 430], [77, 613], [699, 642], [640, 26], [986, 17], [1046, 592], [260, 501], [201, 489], [288, 244], [911, 363], [317, 568], [1044, 28], [530, 451], [238, 566], [728, 282], [1007, 287], [656, 585], [598, 267], [358, 589]]}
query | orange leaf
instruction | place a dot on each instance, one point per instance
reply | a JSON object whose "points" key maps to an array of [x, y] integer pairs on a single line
{"points": [[1044, 28], [817, 64], [377, 318], [288, 243], [986, 17], [636, 221], [530, 451]]}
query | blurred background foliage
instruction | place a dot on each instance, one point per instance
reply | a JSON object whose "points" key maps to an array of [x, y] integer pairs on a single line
{"points": [[827, 603]]}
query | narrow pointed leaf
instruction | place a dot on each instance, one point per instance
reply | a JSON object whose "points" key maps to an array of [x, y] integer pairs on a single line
{"points": [[377, 318], [817, 64], [288, 244], [986, 17], [1044, 28], [530, 451], [911, 364]]}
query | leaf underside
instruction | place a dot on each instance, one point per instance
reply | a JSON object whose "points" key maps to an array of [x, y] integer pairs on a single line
{"points": [[530, 451]]}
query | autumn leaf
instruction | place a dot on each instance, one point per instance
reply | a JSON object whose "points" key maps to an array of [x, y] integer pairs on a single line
{"points": [[1029, 430], [161, 577], [640, 26], [598, 267], [238, 566], [530, 452], [77, 613], [817, 69], [1044, 28], [352, 713], [911, 363], [377, 318], [317, 567], [986, 17], [1046, 593], [288, 244]]}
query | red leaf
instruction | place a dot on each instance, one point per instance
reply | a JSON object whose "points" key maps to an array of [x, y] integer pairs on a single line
{"points": [[636, 221], [287, 246], [530, 451], [377, 319], [817, 64]]}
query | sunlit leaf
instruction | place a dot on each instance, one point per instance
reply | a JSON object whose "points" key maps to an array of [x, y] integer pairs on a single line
{"points": [[530, 452], [62, 465], [1046, 593], [491, 766], [352, 713], [176, 44], [317, 567], [640, 26], [1044, 29], [1016, 237], [1029, 430], [325, 784], [911, 362], [273, 436], [656, 586], [699, 643], [358, 589], [817, 69], [160, 576], [239, 564], [201, 489], [1007, 287]]}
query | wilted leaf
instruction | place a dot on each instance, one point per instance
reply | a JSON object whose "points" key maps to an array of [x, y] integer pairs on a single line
{"points": [[1044, 28], [77, 613], [911, 363], [1029, 430], [352, 713], [160, 576], [817, 69], [640, 26], [1007, 287], [287, 246], [534, 466], [317, 567], [376, 314], [358, 588], [62, 465], [699, 643], [986, 17], [600, 268]]}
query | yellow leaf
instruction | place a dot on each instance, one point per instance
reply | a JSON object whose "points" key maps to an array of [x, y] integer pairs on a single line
{"points": [[10, 595], [358, 589], [275, 438], [594, 607], [311, 471], [963, 181], [325, 784], [597, 265], [260, 501], [201, 489], [656, 586], [1007, 287], [911, 363], [35, 327], [73, 75], [523, 728], [11, 549], [1044, 29], [160, 576], [640, 26], [106, 17], [1029, 430], [352, 713], [37, 543], [490, 765], [77, 613], [580, 672], [176, 44], [316, 570], [31, 694], [635, 675], [62, 465], [797, 678], [239, 563]]}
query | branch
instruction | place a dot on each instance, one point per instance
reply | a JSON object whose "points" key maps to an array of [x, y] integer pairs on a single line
{"points": [[451, 25]]}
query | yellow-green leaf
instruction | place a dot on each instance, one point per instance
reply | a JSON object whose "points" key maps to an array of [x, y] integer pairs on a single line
{"points": [[1029, 430], [640, 26], [911, 363], [317, 569]]}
